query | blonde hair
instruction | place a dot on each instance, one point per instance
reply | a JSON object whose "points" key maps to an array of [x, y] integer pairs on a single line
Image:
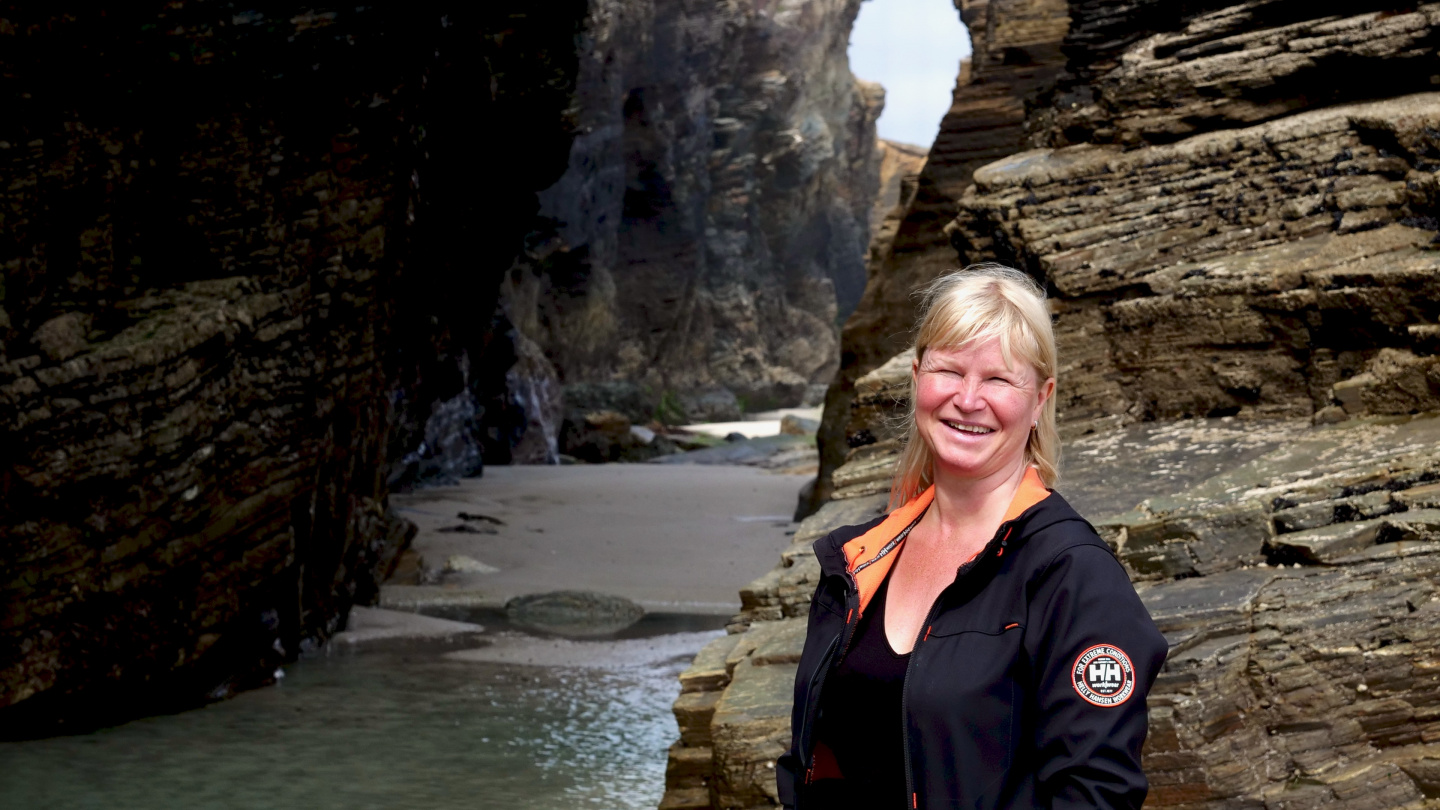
{"points": [[980, 303]]}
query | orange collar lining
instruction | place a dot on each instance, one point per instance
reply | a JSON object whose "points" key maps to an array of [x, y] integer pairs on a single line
{"points": [[889, 533]]}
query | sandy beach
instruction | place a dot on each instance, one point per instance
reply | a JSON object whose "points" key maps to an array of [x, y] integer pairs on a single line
{"points": [[674, 538]]}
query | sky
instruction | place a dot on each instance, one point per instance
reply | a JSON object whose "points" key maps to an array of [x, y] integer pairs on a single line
{"points": [[914, 48]]}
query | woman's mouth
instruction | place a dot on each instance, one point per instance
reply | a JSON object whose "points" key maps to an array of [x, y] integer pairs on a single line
{"points": [[964, 428]]}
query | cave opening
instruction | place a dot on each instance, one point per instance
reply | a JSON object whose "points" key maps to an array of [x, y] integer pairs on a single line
{"points": [[914, 49]]}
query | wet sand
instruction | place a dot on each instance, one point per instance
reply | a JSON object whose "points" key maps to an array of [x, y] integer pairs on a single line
{"points": [[674, 538]]}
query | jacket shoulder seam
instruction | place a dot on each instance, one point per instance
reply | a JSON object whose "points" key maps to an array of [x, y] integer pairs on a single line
{"points": [[1091, 541]]}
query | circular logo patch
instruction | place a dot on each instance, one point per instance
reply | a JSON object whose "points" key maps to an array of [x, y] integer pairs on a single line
{"points": [[1103, 675]]}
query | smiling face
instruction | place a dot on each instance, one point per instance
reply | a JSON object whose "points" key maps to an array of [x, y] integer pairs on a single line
{"points": [[974, 412]]}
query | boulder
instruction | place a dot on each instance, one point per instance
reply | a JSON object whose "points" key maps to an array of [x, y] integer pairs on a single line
{"points": [[606, 436], [798, 425], [576, 614]]}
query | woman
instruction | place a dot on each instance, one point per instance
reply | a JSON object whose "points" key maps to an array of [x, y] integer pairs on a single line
{"points": [[979, 646]]}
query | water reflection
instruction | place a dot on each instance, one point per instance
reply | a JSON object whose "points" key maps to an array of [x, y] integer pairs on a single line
{"points": [[382, 731]]}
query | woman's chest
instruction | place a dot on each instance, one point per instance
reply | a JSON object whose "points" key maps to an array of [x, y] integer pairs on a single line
{"points": [[921, 576]]}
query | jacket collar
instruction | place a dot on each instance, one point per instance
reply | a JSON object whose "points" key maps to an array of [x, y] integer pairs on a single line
{"points": [[868, 558]]}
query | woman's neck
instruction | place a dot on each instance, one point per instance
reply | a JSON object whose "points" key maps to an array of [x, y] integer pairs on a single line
{"points": [[974, 502]]}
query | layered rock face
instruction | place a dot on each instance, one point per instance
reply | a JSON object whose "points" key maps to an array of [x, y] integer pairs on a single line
{"points": [[1278, 269], [1246, 219], [1303, 634], [214, 223], [714, 216], [1236, 220]]}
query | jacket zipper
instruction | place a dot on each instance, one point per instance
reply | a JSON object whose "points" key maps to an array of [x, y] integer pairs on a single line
{"points": [[912, 799]]}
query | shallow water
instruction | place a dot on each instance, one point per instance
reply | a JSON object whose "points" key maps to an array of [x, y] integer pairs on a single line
{"points": [[381, 731]]}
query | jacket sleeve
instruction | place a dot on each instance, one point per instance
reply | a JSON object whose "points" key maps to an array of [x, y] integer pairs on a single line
{"points": [[1096, 653], [788, 765], [787, 770]]}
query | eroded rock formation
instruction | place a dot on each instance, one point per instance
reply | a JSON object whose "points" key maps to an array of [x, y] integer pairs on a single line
{"points": [[713, 220], [1254, 271]]}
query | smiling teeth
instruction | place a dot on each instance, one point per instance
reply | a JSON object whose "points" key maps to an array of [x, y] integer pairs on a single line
{"points": [[970, 428]]}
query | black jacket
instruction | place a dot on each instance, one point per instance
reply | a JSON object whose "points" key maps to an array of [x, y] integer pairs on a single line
{"points": [[1027, 687]]}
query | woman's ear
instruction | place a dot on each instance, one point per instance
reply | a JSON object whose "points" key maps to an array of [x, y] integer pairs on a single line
{"points": [[1047, 389]]}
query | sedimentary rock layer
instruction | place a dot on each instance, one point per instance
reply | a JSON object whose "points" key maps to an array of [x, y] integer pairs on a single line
{"points": [[1246, 271], [213, 223], [1149, 71]]}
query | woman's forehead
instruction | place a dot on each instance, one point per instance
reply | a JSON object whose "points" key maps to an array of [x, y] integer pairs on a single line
{"points": [[978, 352]]}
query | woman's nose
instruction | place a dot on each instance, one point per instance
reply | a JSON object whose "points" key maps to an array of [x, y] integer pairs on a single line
{"points": [[967, 395]]}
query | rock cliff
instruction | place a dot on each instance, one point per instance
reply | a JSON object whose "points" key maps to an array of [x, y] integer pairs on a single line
{"points": [[232, 254], [713, 220], [1236, 222]]}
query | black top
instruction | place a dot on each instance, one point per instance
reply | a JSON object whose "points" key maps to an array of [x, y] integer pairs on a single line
{"points": [[865, 724]]}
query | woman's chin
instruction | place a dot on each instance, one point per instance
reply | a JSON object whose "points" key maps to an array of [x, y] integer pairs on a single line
{"points": [[977, 463]]}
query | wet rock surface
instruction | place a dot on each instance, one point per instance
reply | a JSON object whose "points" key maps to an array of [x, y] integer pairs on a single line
{"points": [[574, 614]]}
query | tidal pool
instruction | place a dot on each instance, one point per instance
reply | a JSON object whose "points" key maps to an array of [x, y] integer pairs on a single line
{"points": [[385, 730]]}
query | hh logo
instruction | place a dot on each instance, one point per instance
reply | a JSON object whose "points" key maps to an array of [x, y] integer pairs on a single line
{"points": [[1103, 675], [1105, 672]]}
